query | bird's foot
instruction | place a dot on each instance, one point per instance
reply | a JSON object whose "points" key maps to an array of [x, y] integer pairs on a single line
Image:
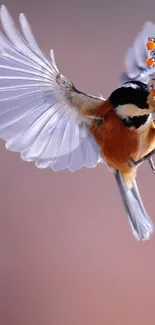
{"points": [[132, 163], [148, 157]]}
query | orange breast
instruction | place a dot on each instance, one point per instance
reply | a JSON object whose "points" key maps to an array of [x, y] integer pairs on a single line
{"points": [[150, 138], [118, 143]]}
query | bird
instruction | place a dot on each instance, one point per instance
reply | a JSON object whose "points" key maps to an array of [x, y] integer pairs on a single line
{"points": [[48, 121]]}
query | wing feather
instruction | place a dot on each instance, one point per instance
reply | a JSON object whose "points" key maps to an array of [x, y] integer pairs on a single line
{"points": [[40, 109]]}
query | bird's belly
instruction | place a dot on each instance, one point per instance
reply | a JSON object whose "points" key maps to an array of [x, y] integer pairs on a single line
{"points": [[118, 143], [118, 148]]}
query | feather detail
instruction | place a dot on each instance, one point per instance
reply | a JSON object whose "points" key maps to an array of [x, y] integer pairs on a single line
{"points": [[141, 224], [42, 115]]}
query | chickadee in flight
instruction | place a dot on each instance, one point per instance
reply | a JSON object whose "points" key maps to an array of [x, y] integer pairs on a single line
{"points": [[45, 118]]}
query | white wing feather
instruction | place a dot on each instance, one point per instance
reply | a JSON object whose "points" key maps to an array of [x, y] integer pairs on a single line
{"points": [[37, 118], [135, 65]]}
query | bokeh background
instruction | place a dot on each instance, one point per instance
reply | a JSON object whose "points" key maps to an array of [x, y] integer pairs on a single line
{"points": [[67, 254]]}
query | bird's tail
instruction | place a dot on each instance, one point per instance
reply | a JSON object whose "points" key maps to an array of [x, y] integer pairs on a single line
{"points": [[141, 224]]}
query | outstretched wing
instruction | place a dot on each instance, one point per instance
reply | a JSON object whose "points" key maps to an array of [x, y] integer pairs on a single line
{"points": [[135, 65], [41, 110]]}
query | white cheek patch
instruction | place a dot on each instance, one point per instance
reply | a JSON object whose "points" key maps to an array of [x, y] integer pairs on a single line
{"points": [[131, 110]]}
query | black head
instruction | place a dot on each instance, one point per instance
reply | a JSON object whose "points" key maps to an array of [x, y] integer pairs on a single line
{"points": [[132, 92], [130, 103]]}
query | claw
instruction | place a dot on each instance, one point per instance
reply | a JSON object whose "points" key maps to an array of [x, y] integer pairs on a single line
{"points": [[132, 163], [148, 157]]}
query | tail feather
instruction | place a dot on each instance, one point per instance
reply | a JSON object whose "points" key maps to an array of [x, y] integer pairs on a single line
{"points": [[141, 224]]}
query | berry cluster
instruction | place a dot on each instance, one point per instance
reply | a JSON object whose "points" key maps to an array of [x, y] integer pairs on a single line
{"points": [[150, 61]]}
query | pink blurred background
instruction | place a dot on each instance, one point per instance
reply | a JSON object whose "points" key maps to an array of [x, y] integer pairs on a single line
{"points": [[67, 254]]}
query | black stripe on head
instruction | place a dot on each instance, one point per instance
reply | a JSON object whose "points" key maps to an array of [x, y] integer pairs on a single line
{"points": [[132, 92], [136, 121]]}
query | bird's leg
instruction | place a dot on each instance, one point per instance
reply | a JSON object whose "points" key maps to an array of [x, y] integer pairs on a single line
{"points": [[148, 157], [151, 162]]}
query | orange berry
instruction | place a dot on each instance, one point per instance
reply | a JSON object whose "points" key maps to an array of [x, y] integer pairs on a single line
{"points": [[150, 62], [150, 45], [152, 92]]}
